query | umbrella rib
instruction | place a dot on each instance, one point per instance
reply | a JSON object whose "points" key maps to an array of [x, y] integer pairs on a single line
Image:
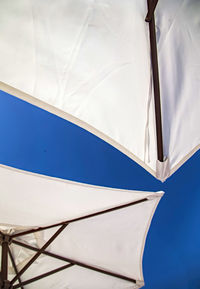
{"points": [[151, 10], [75, 262], [15, 268], [80, 218], [42, 276], [39, 253], [156, 84], [36, 249]]}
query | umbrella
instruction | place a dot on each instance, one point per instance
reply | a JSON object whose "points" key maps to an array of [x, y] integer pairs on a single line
{"points": [[95, 64], [79, 236]]}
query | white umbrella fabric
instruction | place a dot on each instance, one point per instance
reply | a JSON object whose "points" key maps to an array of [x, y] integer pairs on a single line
{"points": [[90, 63], [76, 235]]}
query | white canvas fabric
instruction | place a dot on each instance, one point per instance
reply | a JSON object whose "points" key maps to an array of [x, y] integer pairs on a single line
{"points": [[178, 38], [113, 241], [89, 62]]}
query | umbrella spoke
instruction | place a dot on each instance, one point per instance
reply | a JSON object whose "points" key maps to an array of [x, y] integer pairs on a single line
{"points": [[156, 83], [36, 250], [15, 267], [39, 253], [80, 218], [42, 276], [75, 262]]}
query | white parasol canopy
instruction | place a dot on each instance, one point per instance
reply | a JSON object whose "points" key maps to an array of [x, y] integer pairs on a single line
{"points": [[100, 232], [90, 63]]}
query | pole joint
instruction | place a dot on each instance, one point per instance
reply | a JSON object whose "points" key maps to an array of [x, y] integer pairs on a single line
{"points": [[4, 238], [151, 10]]}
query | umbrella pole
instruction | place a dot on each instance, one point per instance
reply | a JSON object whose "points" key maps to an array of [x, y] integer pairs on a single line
{"points": [[156, 85], [4, 241]]}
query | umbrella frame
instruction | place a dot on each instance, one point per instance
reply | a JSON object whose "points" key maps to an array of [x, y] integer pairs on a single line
{"points": [[6, 240]]}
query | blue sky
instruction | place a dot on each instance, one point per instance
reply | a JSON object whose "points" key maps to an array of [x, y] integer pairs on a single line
{"points": [[37, 141]]}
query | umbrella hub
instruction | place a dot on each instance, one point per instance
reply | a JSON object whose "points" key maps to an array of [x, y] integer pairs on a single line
{"points": [[13, 257], [21, 255], [5, 239]]}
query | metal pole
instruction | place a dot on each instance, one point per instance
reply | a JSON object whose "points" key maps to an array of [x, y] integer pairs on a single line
{"points": [[4, 240], [4, 261]]}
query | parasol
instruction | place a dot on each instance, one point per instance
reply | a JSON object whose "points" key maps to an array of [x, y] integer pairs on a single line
{"points": [[95, 64], [79, 236]]}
